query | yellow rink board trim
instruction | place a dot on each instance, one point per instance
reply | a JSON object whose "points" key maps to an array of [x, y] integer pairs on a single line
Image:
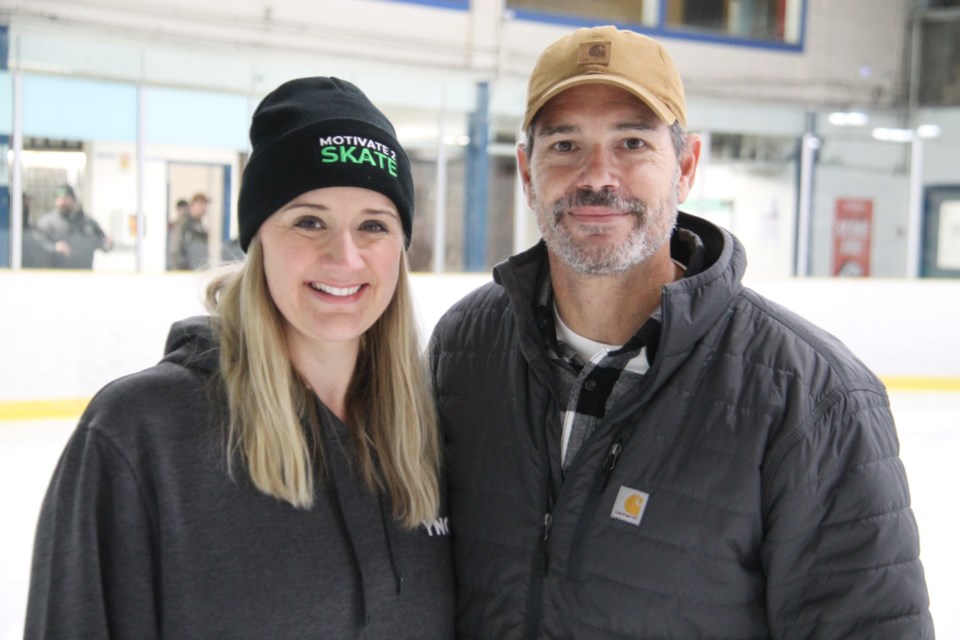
{"points": [[921, 383], [17, 410], [67, 408]]}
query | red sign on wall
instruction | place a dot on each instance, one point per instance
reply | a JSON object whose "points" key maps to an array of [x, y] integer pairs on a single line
{"points": [[852, 230]]}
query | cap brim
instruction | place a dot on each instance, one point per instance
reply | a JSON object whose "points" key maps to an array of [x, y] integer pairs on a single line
{"points": [[656, 105]]}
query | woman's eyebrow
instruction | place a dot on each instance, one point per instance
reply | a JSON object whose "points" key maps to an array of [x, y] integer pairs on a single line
{"points": [[382, 212], [306, 205], [322, 208]]}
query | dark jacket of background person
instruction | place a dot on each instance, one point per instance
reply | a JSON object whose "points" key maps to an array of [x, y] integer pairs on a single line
{"points": [[38, 251], [778, 506], [145, 471], [189, 248], [79, 231]]}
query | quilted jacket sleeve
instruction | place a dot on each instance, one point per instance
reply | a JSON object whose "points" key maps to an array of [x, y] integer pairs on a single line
{"points": [[841, 546]]}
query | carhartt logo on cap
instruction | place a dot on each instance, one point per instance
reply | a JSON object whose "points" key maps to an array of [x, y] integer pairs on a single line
{"points": [[594, 53]]}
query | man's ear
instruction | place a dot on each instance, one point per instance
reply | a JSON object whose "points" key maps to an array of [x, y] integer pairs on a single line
{"points": [[689, 160], [523, 165]]}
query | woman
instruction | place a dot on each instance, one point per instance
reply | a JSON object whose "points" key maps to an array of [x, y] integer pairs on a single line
{"points": [[275, 476]]}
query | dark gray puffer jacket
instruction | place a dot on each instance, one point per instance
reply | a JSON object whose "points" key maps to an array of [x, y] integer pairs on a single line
{"points": [[750, 487]]}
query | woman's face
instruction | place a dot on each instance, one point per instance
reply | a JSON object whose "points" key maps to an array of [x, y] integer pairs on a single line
{"points": [[332, 259]]}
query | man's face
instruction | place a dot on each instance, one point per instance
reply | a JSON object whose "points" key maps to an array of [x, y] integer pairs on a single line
{"points": [[198, 208], [65, 204], [604, 179]]}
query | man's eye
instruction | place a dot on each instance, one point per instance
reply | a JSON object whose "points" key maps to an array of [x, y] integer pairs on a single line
{"points": [[634, 143], [563, 145]]}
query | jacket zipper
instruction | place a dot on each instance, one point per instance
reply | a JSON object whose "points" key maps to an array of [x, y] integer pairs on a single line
{"points": [[629, 418], [541, 559], [586, 516], [545, 541]]}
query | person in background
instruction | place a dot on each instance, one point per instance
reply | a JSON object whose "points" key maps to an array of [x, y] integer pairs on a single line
{"points": [[189, 247], [181, 211], [74, 235], [276, 475], [637, 445], [38, 252]]}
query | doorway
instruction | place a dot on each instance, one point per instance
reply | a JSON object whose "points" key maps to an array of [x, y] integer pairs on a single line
{"points": [[187, 181]]}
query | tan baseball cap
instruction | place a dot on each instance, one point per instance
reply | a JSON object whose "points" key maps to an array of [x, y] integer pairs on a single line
{"points": [[607, 55]]}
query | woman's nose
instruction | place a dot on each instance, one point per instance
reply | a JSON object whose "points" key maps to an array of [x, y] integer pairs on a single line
{"points": [[342, 250]]}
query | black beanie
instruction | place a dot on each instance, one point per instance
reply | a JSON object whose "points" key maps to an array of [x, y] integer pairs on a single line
{"points": [[313, 133]]}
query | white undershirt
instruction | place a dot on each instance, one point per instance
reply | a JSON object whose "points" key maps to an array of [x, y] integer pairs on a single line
{"points": [[590, 351]]}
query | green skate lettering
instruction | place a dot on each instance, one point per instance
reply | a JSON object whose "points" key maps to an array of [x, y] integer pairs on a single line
{"points": [[350, 154], [367, 157], [329, 154]]}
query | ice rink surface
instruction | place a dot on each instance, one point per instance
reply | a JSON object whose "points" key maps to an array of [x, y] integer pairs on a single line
{"points": [[928, 425]]}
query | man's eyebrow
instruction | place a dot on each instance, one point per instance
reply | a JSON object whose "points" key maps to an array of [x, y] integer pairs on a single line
{"points": [[563, 129], [558, 129], [637, 125]]}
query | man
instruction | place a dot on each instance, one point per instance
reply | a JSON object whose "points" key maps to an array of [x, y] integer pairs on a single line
{"points": [[189, 248], [38, 252], [637, 445], [73, 235]]}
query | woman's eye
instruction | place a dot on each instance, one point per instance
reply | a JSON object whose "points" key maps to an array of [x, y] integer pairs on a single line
{"points": [[375, 226], [308, 222]]}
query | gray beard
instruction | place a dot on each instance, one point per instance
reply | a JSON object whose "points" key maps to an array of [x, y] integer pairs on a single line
{"points": [[652, 228]]}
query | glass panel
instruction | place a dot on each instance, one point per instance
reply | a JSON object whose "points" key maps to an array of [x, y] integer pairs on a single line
{"points": [[861, 199], [421, 251], [747, 185], [196, 118], [70, 108], [6, 208], [939, 68], [72, 225], [941, 231], [418, 130], [79, 173], [503, 175], [196, 203], [6, 103], [642, 12], [761, 20], [769, 21], [423, 247]]}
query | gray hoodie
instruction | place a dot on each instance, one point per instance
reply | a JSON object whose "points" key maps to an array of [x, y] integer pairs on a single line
{"points": [[144, 533]]}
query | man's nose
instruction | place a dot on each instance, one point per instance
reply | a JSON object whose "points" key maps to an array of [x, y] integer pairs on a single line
{"points": [[599, 171]]}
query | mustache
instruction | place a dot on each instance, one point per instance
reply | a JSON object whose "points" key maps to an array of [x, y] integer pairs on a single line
{"points": [[604, 198]]}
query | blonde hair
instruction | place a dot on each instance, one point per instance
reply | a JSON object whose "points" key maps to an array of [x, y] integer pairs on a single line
{"points": [[390, 410]]}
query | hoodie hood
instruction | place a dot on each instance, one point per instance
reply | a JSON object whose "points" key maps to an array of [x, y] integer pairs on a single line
{"points": [[192, 343]]}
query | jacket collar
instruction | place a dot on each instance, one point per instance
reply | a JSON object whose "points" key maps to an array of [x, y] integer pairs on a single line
{"points": [[689, 307]]}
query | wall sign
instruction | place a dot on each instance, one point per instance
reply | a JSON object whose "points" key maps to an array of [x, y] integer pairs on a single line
{"points": [[852, 232]]}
